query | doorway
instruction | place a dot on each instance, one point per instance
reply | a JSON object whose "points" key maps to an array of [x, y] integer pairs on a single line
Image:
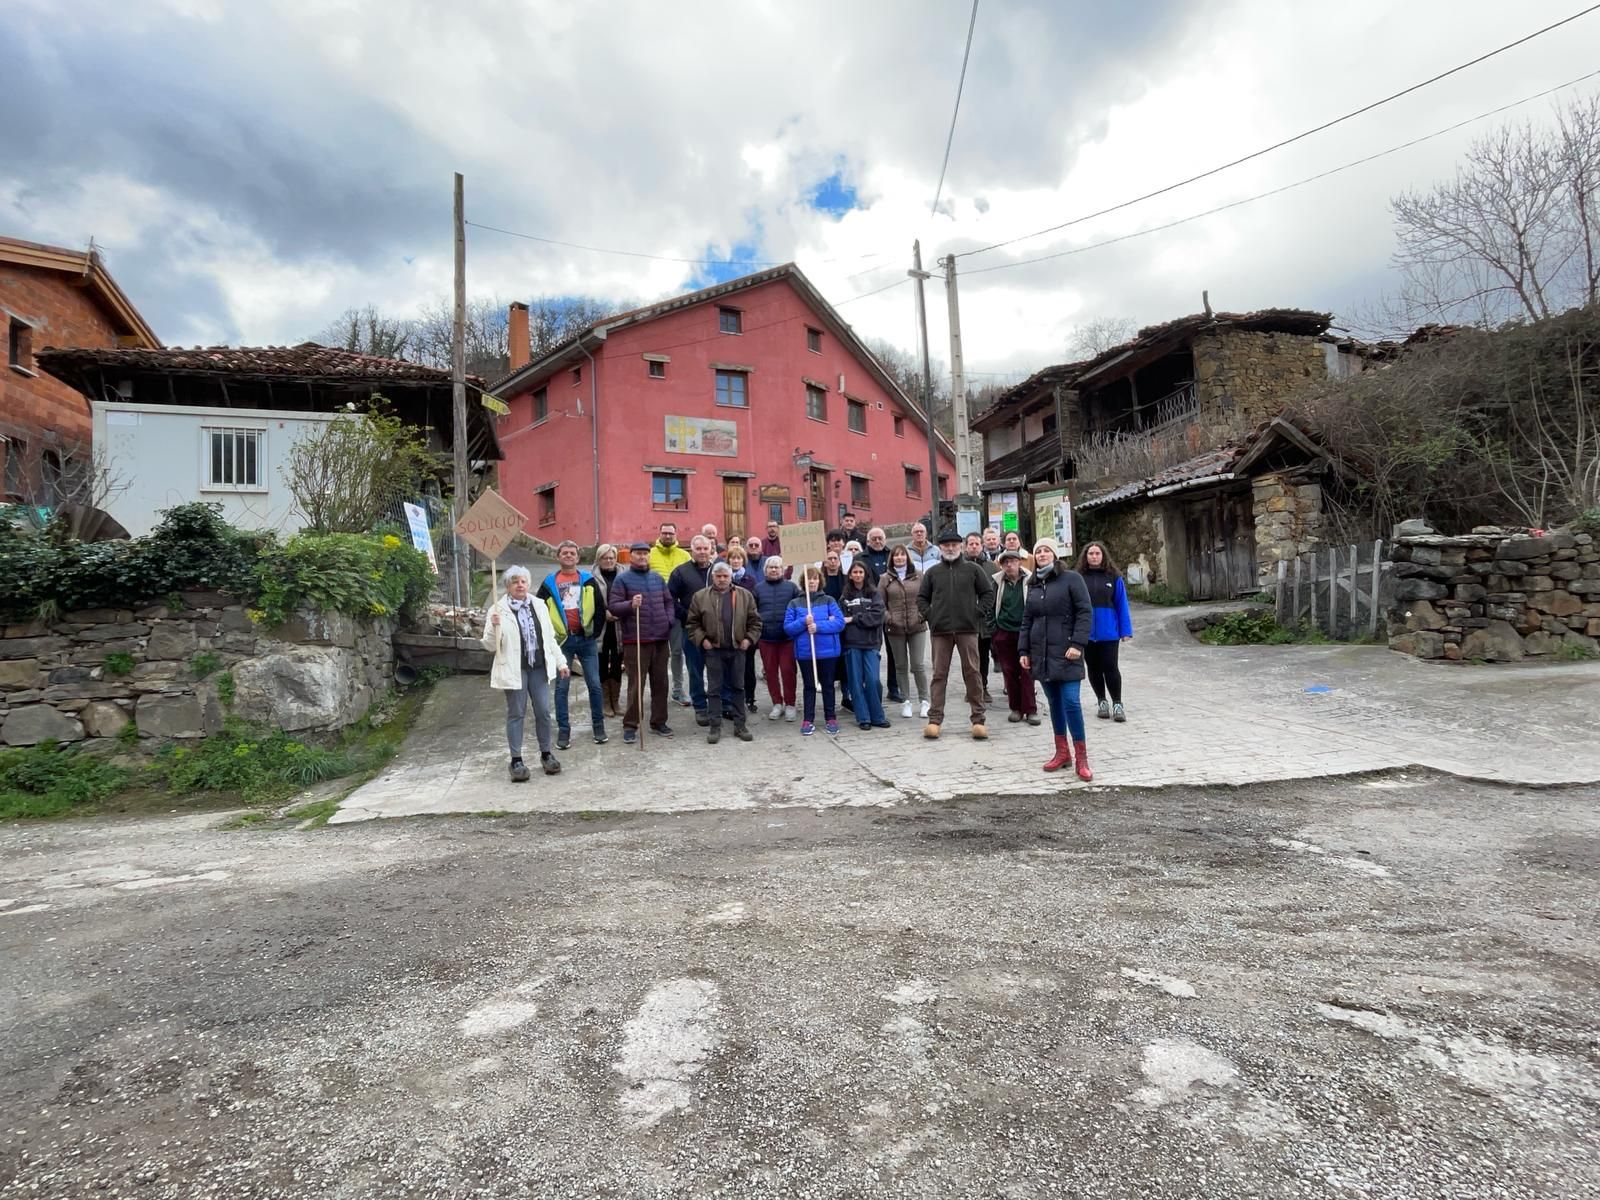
{"points": [[734, 521], [1220, 534]]}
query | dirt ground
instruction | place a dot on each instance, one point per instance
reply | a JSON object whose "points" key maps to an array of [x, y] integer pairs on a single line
{"points": [[1381, 987]]}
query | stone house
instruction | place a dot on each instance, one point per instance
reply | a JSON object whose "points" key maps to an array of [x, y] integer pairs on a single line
{"points": [[1172, 446], [53, 296]]}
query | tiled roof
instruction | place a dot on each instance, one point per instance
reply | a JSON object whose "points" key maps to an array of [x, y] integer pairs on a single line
{"points": [[1201, 466], [305, 361]]}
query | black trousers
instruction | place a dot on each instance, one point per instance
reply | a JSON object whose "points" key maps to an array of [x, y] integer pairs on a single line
{"points": [[1100, 659], [724, 667], [985, 647]]}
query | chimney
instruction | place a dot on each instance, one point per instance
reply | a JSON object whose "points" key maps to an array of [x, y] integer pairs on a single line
{"points": [[517, 331]]}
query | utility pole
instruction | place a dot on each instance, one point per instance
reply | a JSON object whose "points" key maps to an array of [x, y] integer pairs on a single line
{"points": [[920, 276], [965, 473], [458, 402]]}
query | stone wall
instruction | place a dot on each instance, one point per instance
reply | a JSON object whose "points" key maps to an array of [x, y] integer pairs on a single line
{"points": [[1287, 506], [1137, 536], [1245, 375], [59, 679], [1495, 596]]}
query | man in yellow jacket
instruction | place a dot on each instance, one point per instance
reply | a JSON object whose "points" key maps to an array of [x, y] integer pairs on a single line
{"points": [[666, 556]]}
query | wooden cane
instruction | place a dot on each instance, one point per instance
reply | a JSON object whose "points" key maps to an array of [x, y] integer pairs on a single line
{"points": [[638, 675]]}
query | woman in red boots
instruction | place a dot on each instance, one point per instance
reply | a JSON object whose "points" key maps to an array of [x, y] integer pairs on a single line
{"points": [[1056, 621]]}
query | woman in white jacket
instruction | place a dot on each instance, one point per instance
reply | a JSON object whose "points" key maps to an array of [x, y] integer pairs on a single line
{"points": [[526, 661]]}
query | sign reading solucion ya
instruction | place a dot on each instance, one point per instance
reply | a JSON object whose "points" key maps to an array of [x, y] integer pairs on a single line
{"points": [[490, 524], [702, 435]]}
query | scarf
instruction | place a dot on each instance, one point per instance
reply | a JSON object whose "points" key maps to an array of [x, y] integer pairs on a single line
{"points": [[532, 649], [901, 571]]}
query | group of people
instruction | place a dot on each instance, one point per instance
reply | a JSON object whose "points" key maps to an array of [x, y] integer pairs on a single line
{"points": [[701, 615]]}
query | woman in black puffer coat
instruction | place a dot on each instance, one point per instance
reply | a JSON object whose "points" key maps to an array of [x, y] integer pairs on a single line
{"points": [[1056, 620]]}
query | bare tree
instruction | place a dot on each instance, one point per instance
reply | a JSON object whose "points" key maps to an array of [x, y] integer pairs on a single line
{"points": [[367, 331], [1516, 234], [354, 473], [1099, 335]]}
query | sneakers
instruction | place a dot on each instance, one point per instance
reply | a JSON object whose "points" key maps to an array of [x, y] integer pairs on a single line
{"points": [[924, 713], [679, 698], [701, 717], [776, 713], [713, 735], [930, 730], [789, 712], [662, 730], [600, 738], [1014, 716], [865, 725], [905, 710], [833, 728], [807, 728], [519, 771], [549, 763], [1118, 713], [1032, 718], [980, 733], [744, 735], [563, 739], [1103, 711], [630, 736]]}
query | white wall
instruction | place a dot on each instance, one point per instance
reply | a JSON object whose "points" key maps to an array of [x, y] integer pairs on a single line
{"points": [[153, 454]]}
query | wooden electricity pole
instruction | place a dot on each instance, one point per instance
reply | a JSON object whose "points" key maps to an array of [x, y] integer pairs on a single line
{"points": [[920, 276], [458, 403], [966, 481]]}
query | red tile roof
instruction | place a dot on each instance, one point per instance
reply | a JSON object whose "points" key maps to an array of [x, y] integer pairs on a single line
{"points": [[305, 361]]}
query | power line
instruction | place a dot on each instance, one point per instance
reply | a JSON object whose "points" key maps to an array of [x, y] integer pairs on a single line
{"points": [[960, 84], [1288, 186], [1285, 142], [874, 291], [693, 262]]}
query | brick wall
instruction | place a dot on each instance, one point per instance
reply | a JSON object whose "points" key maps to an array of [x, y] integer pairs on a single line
{"points": [[1243, 375], [43, 411]]}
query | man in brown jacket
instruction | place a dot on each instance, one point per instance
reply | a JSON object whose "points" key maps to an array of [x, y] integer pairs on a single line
{"points": [[722, 620]]}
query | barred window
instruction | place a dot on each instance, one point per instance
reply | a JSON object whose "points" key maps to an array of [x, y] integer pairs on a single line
{"points": [[232, 457]]}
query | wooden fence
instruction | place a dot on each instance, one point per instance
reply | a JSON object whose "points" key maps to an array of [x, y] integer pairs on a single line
{"points": [[1344, 591]]}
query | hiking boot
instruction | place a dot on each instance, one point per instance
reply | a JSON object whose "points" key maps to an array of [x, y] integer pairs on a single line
{"points": [[563, 739], [743, 734], [980, 732], [549, 763], [776, 714], [662, 730], [519, 771], [1103, 711], [1118, 713], [930, 731], [713, 735]]}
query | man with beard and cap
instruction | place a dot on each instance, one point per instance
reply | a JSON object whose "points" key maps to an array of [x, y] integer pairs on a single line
{"points": [[639, 599], [666, 556], [955, 597], [723, 623]]}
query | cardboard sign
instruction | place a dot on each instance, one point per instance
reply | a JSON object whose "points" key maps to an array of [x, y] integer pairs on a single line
{"points": [[421, 535], [803, 543], [490, 524]]}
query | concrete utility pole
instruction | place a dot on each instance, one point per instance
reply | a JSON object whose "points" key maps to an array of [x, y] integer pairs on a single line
{"points": [[458, 401], [966, 468], [920, 276]]}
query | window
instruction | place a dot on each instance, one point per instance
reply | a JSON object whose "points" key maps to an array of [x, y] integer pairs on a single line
{"points": [[816, 404], [19, 345], [856, 416], [547, 506], [658, 370], [913, 482], [944, 487], [775, 513], [731, 390], [730, 320], [232, 457], [667, 491], [899, 426], [541, 405], [577, 376], [1049, 424], [860, 492], [814, 340]]}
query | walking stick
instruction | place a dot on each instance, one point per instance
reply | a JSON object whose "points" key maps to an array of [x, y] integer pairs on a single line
{"points": [[638, 675]]}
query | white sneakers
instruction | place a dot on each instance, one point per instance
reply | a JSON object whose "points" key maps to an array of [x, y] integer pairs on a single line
{"points": [[924, 709], [905, 709], [777, 711], [788, 712]]}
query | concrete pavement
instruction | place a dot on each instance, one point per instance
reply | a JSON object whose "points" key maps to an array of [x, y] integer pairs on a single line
{"points": [[1197, 715]]}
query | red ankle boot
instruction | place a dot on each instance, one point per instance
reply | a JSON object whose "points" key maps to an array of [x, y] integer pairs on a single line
{"points": [[1084, 773], [1063, 756]]}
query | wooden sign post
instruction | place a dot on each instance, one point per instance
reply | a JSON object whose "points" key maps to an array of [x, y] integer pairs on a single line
{"points": [[488, 527]]}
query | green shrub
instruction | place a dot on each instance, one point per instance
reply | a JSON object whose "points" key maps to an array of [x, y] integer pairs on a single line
{"points": [[254, 764], [42, 780], [128, 735], [1158, 593], [204, 664], [357, 574], [1588, 521], [1246, 629], [119, 664], [226, 689]]}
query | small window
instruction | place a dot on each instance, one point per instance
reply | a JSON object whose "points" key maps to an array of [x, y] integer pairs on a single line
{"points": [[800, 507], [19, 345], [775, 513], [856, 415], [233, 458], [944, 487], [730, 320], [860, 492], [577, 376], [547, 506], [667, 491], [899, 427], [913, 482], [1049, 424], [814, 340], [816, 404], [658, 370], [541, 405], [731, 391]]}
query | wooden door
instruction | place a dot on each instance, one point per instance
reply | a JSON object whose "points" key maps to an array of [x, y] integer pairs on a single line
{"points": [[1221, 535], [1200, 533], [734, 522]]}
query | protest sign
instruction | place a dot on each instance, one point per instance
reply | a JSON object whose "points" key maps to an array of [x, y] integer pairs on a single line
{"points": [[804, 543], [490, 524]]}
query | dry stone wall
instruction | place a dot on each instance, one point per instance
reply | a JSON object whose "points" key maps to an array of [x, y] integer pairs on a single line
{"points": [[1244, 374], [1495, 596], [168, 670], [1287, 507]]}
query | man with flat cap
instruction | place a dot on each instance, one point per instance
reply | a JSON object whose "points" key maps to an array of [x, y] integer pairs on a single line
{"points": [[955, 597], [643, 607]]}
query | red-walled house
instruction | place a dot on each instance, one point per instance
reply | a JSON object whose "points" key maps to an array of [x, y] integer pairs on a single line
{"points": [[737, 404], [50, 296]]}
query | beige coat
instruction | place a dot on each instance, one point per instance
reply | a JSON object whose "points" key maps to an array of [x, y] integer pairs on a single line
{"points": [[506, 643]]}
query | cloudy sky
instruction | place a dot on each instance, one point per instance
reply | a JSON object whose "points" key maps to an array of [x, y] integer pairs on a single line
{"points": [[252, 169]]}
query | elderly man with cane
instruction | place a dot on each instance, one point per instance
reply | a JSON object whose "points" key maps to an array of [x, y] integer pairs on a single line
{"points": [[644, 612]]}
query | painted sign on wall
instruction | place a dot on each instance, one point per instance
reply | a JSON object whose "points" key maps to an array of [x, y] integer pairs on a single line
{"points": [[421, 535], [1052, 517], [1004, 512], [702, 435]]}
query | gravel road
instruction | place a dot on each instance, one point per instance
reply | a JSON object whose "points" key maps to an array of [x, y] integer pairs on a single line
{"points": [[1379, 987]]}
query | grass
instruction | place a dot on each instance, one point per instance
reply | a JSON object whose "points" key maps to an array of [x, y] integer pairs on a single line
{"points": [[119, 664], [1259, 629], [1572, 652], [203, 664], [1159, 594], [45, 781]]}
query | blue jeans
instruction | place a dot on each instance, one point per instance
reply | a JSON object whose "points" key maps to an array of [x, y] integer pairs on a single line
{"points": [[862, 666], [1065, 711], [583, 653]]}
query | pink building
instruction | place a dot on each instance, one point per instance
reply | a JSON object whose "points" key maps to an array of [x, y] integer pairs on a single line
{"points": [[736, 404]]}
